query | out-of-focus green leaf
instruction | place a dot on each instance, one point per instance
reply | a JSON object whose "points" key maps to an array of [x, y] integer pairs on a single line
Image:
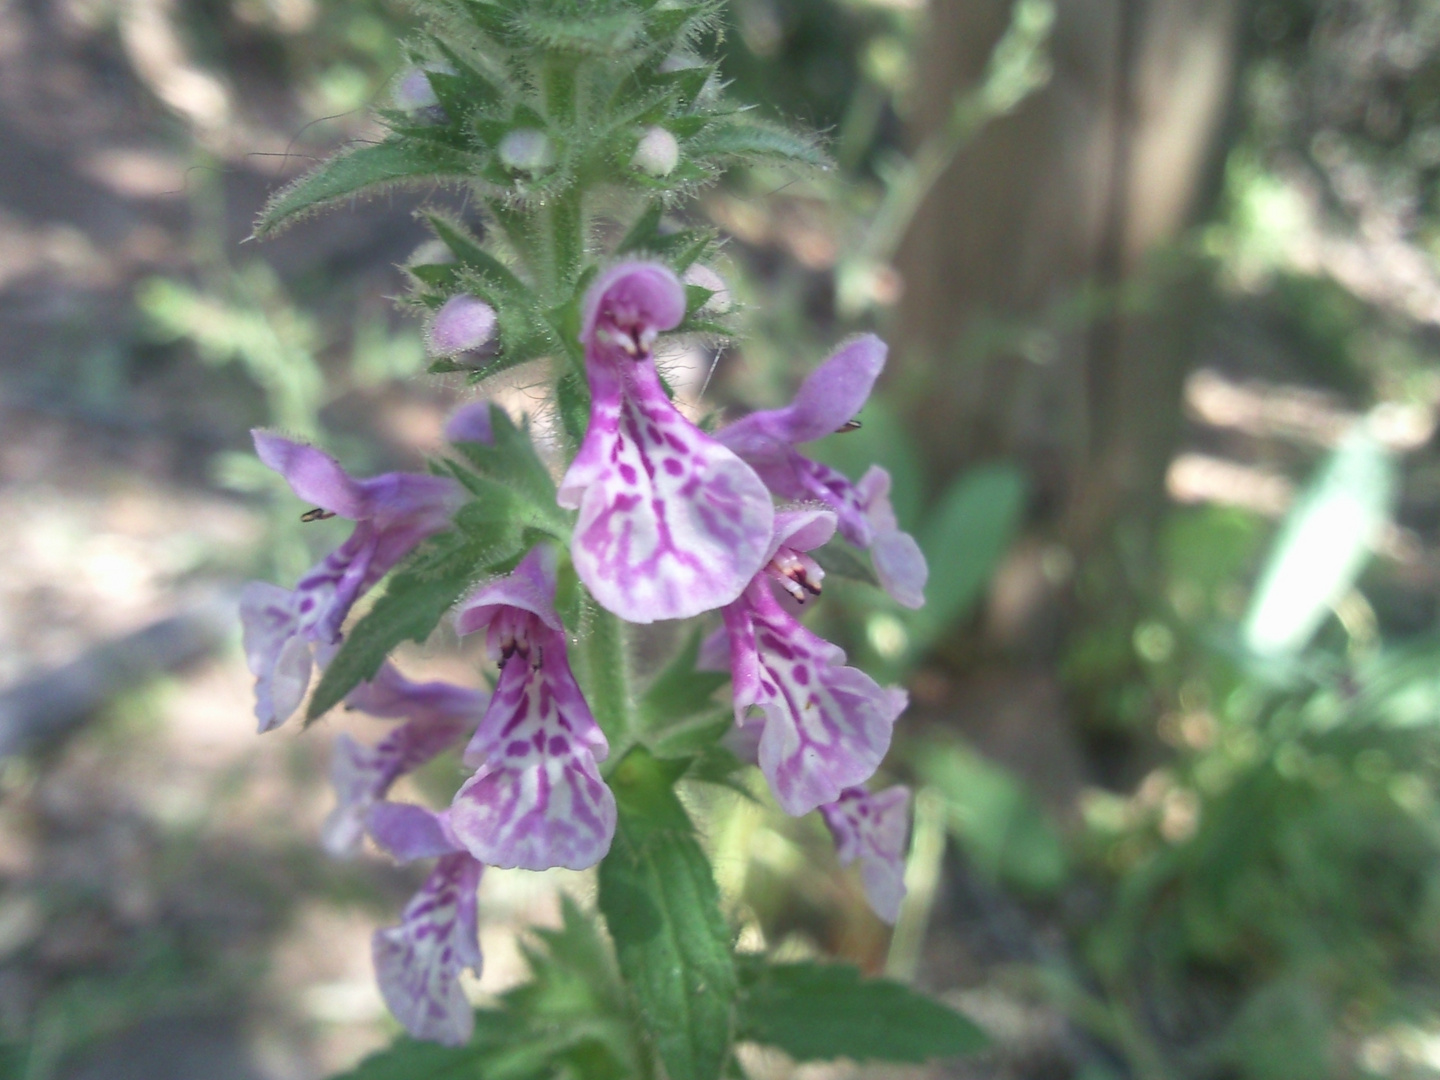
{"points": [[416, 1059], [1322, 547], [663, 909], [994, 817], [839, 559], [964, 538], [880, 440], [680, 690], [510, 459], [360, 169], [816, 1012]]}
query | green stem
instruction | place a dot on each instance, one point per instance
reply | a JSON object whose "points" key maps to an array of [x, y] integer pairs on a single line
{"points": [[604, 650]]}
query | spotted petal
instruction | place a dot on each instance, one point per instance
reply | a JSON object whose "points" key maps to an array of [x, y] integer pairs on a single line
{"points": [[418, 963], [537, 800], [874, 829], [826, 726], [671, 522]]}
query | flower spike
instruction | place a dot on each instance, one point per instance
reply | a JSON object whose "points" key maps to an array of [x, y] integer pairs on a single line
{"points": [[393, 513], [537, 799], [671, 523], [826, 403]]}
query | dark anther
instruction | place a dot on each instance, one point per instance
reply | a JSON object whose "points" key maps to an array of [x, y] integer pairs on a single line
{"points": [[849, 425], [318, 514]]}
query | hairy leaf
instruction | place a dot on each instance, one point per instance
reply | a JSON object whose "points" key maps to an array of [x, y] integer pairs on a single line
{"points": [[815, 1012], [355, 171], [663, 909]]}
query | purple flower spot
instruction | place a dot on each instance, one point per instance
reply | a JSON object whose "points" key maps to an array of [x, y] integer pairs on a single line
{"points": [[673, 466], [518, 748], [801, 674], [627, 473], [559, 745]]}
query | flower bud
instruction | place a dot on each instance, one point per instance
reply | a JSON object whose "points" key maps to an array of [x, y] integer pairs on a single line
{"points": [[464, 323], [471, 423], [413, 93], [658, 153], [527, 149]]}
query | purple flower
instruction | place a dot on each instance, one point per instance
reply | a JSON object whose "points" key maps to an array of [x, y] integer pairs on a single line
{"points": [[463, 323], [671, 522], [825, 727], [471, 423], [825, 403], [418, 962], [873, 829], [392, 514], [438, 715], [537, 799]]}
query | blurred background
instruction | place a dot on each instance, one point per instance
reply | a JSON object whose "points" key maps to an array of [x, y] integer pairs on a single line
{"points": [[1161, 283]]}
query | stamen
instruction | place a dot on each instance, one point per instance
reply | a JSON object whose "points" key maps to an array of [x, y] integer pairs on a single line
{"points": [[318, 514], [849, 425], [798, 574]]}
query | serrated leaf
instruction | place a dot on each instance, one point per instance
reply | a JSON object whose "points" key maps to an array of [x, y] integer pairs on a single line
{"points": [[663, 910], [488, 534], [817, 1012], [358, 170], [415, 1059], [510, 459], [756, 140], [472, 256]]}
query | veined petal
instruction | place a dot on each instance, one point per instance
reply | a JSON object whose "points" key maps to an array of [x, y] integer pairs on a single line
{"points": [[312, 474], [828, 399], [874, 829], [418, 963], [671, 522], [537, 800], [410, 832], [827, 727], [441, 714], [899, 562], [274, 651]]}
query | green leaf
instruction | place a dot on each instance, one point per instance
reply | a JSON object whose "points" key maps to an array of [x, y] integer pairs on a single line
{"points": [[510, 459], [995, 817], [415, 1059], [472, 256], [361, 169], [660, 901], [964, 538], [816, 1012], [841, 561], [680, 690], [1324, 544], [489, 533], [756, 140]]}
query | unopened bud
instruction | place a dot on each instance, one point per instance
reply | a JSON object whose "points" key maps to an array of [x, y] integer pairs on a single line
{"points": [[471, 423], [464, 323], [526, 149], [413, 92], [657, 154]]}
